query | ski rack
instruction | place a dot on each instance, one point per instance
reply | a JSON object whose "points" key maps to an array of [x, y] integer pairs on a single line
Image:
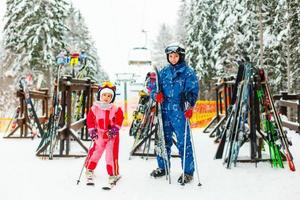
{"points": [[234, 125], [223, 89], [23, 120], [148, 129], [67, 128], [146, 141]]}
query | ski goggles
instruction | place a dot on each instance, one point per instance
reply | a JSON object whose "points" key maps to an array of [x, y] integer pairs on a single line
{"points": [[174, 49], [107, 84]]}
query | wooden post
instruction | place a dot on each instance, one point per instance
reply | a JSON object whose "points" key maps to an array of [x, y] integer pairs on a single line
{"points": [[23, 120], [68, 127], [283, 109], [225, 96]]}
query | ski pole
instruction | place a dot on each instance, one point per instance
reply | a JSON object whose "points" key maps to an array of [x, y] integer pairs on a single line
{"points": [[85, 160], [112, 141], [194, 152], [184, 151]]}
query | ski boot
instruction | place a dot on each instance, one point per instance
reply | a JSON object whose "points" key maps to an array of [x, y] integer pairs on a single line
{"points": [[112, 180], [89, 177], [158, 173], [187, 179]]}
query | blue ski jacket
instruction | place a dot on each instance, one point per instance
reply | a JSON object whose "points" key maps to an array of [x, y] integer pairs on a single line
{"points": [[178, 83]]}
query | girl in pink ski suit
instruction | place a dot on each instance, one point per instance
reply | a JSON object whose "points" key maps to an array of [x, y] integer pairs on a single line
{"points": [[104, 121]]}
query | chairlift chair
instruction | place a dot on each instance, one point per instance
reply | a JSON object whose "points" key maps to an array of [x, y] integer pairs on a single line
{"points": [[139, 56]]}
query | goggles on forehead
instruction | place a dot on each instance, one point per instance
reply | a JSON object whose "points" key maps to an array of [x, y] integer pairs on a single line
{"points": [[174, 49], [107, 84]]}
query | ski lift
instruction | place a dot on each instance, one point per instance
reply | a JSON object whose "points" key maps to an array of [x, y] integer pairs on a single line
{"points": [[139, 56]]}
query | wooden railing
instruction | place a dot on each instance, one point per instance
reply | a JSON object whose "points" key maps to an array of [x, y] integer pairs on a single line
{"points": [[289, 105]]}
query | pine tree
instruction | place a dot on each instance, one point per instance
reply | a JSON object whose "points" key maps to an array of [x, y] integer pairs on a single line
{"points": [[163, 39], [281, 53], [236, 38], [192, 34], [273, 60], [180, 32], [294, 46], [201, 28], [15, 11], [78, 40], [265, 32], [34, 34]]}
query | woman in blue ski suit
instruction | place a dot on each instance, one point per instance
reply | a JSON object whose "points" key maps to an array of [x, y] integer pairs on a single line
{"points": [[179, 87]]}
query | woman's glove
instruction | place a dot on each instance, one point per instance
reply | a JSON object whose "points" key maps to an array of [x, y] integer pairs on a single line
{"points": [[188, 113]]}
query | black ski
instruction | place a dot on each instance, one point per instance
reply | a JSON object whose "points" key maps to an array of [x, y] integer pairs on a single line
{"points": [[220, 150], [49, 138], [33, 119], [160, 147]]}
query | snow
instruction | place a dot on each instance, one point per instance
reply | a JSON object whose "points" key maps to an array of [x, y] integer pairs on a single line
{"points": [[25, 176], [292, 123]]}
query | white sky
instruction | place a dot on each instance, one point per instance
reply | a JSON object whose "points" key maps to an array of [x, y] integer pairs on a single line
{"points": [[116, 26]]}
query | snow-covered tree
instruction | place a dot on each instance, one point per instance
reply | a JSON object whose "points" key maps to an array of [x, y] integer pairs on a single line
{"points": [[281, 41], [78, 39], [292, 44], [164, 38], [273, 25], [15, 11], [180, 29], [237, 34], [201, 27], [33, 34], [192, 34], [267, 32], [37, 30]]}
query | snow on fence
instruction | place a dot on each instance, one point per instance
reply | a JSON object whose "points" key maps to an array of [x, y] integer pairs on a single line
{"points": [[289, 106]]}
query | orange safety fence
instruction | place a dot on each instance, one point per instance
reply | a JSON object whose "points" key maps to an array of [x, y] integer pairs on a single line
{"points": [[4, 122], [203, 113]]}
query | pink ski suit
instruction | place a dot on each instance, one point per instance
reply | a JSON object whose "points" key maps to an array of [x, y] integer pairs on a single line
{"points": [[102, 119]]}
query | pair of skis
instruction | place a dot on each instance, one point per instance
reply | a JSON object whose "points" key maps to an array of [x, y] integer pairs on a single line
{"points": [[32, 116], [50, 138], [109, 186], [269, 128], [281, 134], [160, 146]]}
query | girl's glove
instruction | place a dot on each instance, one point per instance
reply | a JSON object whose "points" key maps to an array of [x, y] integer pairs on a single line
{"points": [[113, 131], [93, 134]]}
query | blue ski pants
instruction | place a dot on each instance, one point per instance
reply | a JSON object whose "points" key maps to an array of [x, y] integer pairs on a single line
{"points": [[174, 122]]}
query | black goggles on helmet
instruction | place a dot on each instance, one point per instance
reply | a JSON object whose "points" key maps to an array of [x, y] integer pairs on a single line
{"points": [[174, 49]]}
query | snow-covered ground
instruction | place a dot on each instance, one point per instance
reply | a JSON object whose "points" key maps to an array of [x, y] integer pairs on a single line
{"points": [[25, 176]]}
